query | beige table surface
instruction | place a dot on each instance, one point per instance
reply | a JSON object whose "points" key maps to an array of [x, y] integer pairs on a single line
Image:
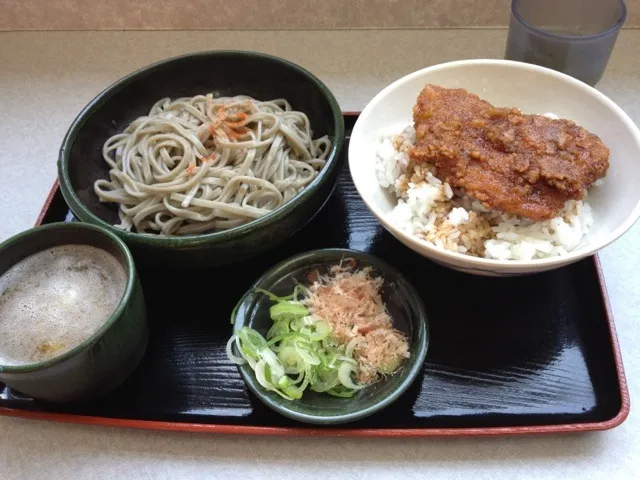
{"points": [[46, 78]]}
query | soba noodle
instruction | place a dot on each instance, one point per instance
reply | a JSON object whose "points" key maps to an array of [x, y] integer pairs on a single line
{"points": [[199, 164]]}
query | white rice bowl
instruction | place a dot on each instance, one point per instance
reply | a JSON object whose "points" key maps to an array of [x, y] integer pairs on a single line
{"points": [[613, 207], [430, 210]]}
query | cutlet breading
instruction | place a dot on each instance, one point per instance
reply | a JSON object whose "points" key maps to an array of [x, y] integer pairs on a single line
{"points": [[527, 165]]}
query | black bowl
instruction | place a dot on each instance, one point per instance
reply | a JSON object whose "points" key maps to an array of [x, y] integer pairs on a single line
{"points": [[406, 309], [224, 73]]}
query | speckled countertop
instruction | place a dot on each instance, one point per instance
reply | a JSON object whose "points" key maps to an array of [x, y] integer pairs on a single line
{"points": [[46, 78]]}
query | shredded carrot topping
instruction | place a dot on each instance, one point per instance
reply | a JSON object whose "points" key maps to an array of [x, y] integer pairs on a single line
{"points": [[241, 116], [350, 302], [229, 124]]}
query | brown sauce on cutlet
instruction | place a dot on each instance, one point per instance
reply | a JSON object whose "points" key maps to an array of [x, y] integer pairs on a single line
{"points": [[526, 165]]}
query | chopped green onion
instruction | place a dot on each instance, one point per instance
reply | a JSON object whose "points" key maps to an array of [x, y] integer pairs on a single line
{"points": [[341, 391], [299, 291], [251, 342], [261, 375], [296, 392], [297, 352], [348, 351], [234, 358], [327, 379], [306, 351], [316, 331], [344, 374], [278, 329], [273, 297], [290, 359], [276, 367], [287, 311]]}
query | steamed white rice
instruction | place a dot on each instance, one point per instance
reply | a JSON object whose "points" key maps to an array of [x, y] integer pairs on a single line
{"points": [[435, 213]]}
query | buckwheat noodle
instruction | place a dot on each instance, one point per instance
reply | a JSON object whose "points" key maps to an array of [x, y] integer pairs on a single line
{"points": [[198, 164]]}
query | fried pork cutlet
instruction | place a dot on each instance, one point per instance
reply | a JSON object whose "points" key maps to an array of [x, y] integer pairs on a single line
{"points": [[527, 165]]}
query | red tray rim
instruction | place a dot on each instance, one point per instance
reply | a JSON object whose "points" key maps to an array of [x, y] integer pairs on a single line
{"points": [[620, 417]]}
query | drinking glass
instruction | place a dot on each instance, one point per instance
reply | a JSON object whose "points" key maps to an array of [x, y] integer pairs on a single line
{"points": [[575, 37]]}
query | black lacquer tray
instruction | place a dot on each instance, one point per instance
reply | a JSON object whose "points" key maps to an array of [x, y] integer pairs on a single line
{"points": [[525, 354]]}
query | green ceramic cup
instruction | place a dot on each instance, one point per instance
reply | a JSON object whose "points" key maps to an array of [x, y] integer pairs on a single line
{"points": [[404, 305], [102, 361]]}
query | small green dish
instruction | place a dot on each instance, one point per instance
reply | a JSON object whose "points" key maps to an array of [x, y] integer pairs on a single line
{"points": [[404, 305], [105, 359]]}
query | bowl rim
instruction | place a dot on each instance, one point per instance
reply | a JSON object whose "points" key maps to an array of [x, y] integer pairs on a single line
{"points": [[79, 208], [130, 284], [420, 325], [479, 262]]}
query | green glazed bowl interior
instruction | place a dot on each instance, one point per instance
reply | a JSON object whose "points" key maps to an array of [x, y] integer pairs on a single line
{"points": [[37, 239], [224, 73], [403, 303]]}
